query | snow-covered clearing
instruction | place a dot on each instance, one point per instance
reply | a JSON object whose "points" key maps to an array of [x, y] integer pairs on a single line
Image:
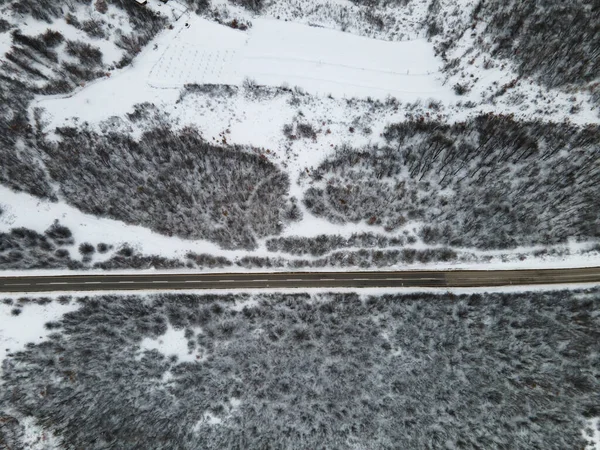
{"points": [[327, 61], [316, 59], [19, 326], [272, 53], [592, 433], [173, 342]]}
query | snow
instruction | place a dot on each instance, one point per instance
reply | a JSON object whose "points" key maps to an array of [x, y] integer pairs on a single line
{"points": [[36, 437], [327, 61], [110, 52], [272, 52], [204, 52], [592, 425], [24, 210], [5, 43], [28, 326], [364, 292], [173, 342]]}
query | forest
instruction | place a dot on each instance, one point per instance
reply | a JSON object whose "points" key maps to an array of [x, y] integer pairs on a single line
{"points": [[488, 183], [556, 42], [172, 182], [411, 371]]}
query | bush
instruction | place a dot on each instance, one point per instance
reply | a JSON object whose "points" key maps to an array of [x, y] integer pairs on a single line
{"points": [[88, 55], [60, 234], [52, 38], [460, 89], [4, 26], [252, 5], [86, 249], [93, 28]]}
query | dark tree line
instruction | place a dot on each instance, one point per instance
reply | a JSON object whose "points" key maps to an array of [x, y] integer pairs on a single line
{"points": [[488, 183], [325, 243], [24, 249], [412, 371], [172, 182]]}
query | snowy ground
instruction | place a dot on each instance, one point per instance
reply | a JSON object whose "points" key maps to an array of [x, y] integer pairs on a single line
{"points": [[271, 53], [20, 326], [594, 435]]}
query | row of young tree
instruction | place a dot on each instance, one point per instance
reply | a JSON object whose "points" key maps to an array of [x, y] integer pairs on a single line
{"points": [[490, 183], [25, 249], [326, 243], [410, 371]]}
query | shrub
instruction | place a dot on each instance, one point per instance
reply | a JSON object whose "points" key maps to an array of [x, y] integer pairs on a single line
{"points": [[460, 89], [86, 249], [88, 55], [60, 234], [52, 38]]}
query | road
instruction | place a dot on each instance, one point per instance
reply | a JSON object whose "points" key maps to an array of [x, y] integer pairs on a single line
{"points": [[440, 279]]}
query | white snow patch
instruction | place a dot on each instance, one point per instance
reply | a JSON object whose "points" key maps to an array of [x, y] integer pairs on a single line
{"points": [[36, 437], [5, 43], [173, 342], [327, 61], [208, 418], [18, 330], [317, 59], [592, 425], [272, 52], [360, 291]]}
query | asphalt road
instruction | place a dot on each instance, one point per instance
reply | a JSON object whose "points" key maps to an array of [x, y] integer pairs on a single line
{"points": [[156, 282]]}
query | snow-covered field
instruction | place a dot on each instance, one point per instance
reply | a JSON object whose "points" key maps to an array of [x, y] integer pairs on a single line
{"points": [[271, 53]]}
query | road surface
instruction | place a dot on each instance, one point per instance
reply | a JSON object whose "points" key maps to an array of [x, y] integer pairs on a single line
{"points": [[440, 279]]}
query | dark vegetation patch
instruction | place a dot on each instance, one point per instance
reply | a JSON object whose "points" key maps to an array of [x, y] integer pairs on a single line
{"points": [[490, 183], [423, 370], [252, 5], [366, 258], [22, 248], [325, 243], [172, 182], [555, 41]]}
